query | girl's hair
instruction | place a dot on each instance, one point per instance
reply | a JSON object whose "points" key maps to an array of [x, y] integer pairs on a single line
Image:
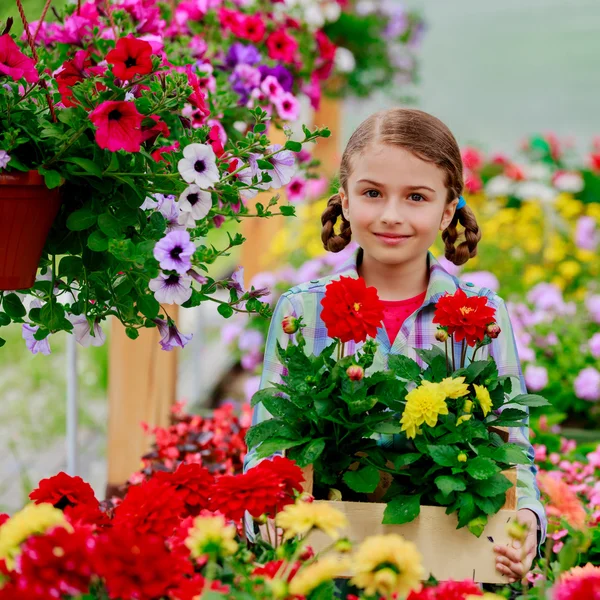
{"points": [[428, 138]]}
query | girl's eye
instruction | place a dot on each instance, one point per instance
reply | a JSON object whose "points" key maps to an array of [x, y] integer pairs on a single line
{"points": [[417, 197], [372, 194]]}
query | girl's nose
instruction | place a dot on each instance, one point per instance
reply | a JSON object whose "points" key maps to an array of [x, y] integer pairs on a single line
{"points": [[392, 213]]}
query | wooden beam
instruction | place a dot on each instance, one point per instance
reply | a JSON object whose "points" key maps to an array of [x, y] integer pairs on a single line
{"points": [[329, 150]]}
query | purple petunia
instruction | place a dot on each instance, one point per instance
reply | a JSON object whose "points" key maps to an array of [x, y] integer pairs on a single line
{"points": [[171, 337], [83, 332], [242, 54], [171, 289], [285, 78], [34, 346], [174, 251], [4, 159], [243, 80]]}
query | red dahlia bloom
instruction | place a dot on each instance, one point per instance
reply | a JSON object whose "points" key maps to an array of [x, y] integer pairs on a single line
{"points": [[290, 475], [118, 126], [191, 589], [282, 46], [466, 318], [64, 491], [130, 57], [351, 310], [153, 507], [269, 570], [448, 590], [14, 63], [3, 518]]}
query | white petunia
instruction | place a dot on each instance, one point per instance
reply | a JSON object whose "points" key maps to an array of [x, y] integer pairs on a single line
{"points": [[196, 202], [199, 165], [344, 60], [499, 186]]}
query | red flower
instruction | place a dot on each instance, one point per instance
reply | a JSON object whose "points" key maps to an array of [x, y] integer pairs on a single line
{"points": [[351, 310], [64, 491], [594, 161], [152, 507], [14, 63], [192, 483], [197, 99], [215, 141], [3, 518], [230, 19], [290, 475], [580, 583], [282, 46], [466, 318], [74, 71], [57, 563], [448, 590], [157, 155], [269, 570], [137, 565], [130, 57], [152, 127], [250, 27], [191, 589], [327, 51], [118, 126]]}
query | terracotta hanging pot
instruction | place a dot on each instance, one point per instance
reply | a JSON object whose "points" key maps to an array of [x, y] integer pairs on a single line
{"points": [[27, 211]]}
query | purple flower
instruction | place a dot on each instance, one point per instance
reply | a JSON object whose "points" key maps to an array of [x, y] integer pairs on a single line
{"points": [[174, 251], [587, 384], [264, 280], [592, 303], [285, 78], [171, 337], [449, 267], [230, 332], [236, 281], [242, 54], [4, 158], [251, 386], [594, 345], [547, 296], [251, 360], [243, 80], [483, 279], [34, 346], [397, 24], [83, 332], [587, 235], [171, 289], [197, 277], [250, 340], [536, 378], [284, 166]]}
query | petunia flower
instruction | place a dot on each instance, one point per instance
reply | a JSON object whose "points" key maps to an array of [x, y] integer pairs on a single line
{"points": [[130, 57], [34, 346], [118, 126], [296, 189], [174, 251], [83, 331], [195, 202], [171, 289], [171, 337], [282, 46], [288, 107], [271, 87], [242, 54], [14, 63], [251, 28], [199, 165], [4, 159], [74, 71]]}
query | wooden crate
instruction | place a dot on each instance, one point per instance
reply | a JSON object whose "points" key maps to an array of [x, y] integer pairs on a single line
{"points": [[448, 553]]}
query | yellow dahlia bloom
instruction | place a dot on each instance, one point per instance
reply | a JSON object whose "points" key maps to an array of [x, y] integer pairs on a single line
{"points": [[423, 405], [386, 565], [302, 517], [454, 387], [31, 520], [483, 397], [211, 535], [312, 576]]}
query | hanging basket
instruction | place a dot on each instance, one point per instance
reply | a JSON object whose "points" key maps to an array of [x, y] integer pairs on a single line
{"points": [[27, 211]]}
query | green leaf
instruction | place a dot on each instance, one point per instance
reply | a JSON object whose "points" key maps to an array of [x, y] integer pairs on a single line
{"points": [[493, 486], [109, 225], [81, 219], [89, 166], [387, 428], [149, 306], [466, 509], [427, 356], [225, 310], [4, 319], [445, 456], [2, 342], [264, 164], [52, 315], [402, 509], [449, 483], [530, 400], [270, 447], [309, 455], [52, 179], [481, 468], [324, 591], [491, 505], [406, 459], [259, 128], [287, 211], [269, 429], [474, 370], [97, 241], [363, 480], [404, 367], [132, 333], [13, 307], [511, 454], [293, 146], [70, 267], [477, 525]]}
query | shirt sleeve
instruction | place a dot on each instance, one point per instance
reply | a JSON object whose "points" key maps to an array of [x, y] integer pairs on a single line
{"points": [[504, 351]]}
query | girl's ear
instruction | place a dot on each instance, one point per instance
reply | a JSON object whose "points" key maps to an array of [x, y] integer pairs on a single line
{"points": [[345, 204], [448, 214]]}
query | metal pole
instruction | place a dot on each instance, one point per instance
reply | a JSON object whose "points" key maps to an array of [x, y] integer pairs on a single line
{"points": [[72, 393]]}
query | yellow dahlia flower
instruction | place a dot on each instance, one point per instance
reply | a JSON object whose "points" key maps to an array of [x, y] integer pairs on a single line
{"points": [[31, 520], [302, 517], [211, 535], [483, 397], [312, 576], [462, 419], [386, 565], [423, 405], [454, 387]]}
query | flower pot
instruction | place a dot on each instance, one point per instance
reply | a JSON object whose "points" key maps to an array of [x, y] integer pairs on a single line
{"points": [[27, 211]]}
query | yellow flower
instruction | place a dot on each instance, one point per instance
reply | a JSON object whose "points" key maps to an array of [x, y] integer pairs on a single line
{"points": [[211, 535], [462, 419], [423, 405], [31, 520], [468, 407], [454, 387], [585, 256], [483, 397], [593, 210], [302, 517], [533, 274], [462, 457], [386, 565], [569, 269], [312, 576]]}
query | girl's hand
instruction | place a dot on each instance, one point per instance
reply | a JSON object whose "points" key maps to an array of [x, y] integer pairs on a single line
{"points": [[515, 562]]}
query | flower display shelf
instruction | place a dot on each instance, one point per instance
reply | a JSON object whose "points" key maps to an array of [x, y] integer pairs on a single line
{"points": [[448, 553]]}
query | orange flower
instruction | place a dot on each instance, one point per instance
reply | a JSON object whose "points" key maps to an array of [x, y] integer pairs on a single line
{"points": [[562, 501]]}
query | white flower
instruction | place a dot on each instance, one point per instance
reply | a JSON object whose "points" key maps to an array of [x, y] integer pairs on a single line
{"points": [[365, 7], [568, 181], [171, 289], [344, 60], [537, 171], [499, 186], [313, 16], [196, 202], [199, 165], [332, 11], [533, 190], [83, 333]]}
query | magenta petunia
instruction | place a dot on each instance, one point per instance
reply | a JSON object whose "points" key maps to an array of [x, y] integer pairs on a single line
{"points": [[118, 126], [14, 63]]}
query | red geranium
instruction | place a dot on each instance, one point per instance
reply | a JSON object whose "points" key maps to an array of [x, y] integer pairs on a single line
{"points": [[152, 507], [14, 63], [130, 57], [448, 590], [118, 126], [64, 491], [215, 141], [351, 310], [282, 46], [466, 318], [192, 483]]}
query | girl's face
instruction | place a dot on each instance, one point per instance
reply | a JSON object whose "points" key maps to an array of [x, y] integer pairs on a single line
{"points": [[396, 204]]}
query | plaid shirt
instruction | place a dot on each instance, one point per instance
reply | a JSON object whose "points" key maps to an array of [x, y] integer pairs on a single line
{"points": [[418, 331]]}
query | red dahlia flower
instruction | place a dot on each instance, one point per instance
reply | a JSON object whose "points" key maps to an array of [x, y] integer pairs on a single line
{"points": [[463, 317], [282, 46], [191, 589], [14, 63], [448, 590], [290, 475], [118, 126], [64, 491], [271, 569], [351, 310], [130, 57]]}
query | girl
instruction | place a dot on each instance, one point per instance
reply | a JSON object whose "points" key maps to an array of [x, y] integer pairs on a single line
{"points": [[401, 181]]}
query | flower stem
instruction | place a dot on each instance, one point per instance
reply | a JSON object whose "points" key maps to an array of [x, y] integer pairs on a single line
{"points": [[453, 358], [463, 354]]}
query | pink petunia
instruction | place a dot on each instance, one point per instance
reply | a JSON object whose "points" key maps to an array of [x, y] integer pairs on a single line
{"points": [[118, 126], [14, 63]]}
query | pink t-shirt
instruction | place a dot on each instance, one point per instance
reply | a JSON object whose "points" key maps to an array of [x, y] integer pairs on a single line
{"points": [[395, 312]]}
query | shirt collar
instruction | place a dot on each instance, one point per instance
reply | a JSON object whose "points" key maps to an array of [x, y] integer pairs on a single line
{"points": [[440, 281]]}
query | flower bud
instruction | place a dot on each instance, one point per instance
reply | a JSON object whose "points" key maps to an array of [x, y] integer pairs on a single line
{"points": [[468, 406], [441, 335], [290, 324], [306, 497], [493, 330], [462, 457], [334, 495], [344, 545], [355, 372], [462, 419], [518, 531]]}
